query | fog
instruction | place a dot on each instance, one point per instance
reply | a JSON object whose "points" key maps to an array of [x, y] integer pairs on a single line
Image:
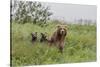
{"points": [[72, 12]]}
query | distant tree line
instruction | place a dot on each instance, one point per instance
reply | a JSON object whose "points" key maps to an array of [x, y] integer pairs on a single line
{"points": [[29, 12], [86, 21]]}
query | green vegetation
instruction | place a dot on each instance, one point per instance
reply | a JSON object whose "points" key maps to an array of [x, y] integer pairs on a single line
{"points": [[28, 11], [80, 45]]}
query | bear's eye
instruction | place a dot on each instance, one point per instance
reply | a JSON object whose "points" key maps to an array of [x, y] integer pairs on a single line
{"points": [[59, 29]]}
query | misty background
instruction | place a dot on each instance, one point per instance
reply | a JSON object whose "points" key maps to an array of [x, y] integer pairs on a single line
{"points": [[38, 12], [73, 13]]}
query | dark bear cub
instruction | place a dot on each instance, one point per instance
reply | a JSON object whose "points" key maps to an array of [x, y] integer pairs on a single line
{"points": [[43, 37], [34, 36]]}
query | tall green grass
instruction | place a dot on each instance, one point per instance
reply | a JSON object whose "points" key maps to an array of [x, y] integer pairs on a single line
{"points": [[80, 45]]}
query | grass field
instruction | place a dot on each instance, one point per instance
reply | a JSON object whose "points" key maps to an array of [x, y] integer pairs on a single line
{"points": [[80, 45]]}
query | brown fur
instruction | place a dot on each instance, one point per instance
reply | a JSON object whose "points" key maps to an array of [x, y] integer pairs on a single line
{"points": [[58, 37]]}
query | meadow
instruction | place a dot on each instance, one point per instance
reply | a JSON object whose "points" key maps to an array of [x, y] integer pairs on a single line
{"points": [[80, 45]]}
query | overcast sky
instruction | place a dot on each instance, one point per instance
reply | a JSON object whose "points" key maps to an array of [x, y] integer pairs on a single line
{"points": [[71, 12]]}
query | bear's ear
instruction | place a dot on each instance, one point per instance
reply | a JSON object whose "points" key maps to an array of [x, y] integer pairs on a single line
{"points": [[65, 26], [58, 26]]}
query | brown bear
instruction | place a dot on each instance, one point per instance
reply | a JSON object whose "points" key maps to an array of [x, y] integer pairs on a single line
{"points": [[58, 37]]}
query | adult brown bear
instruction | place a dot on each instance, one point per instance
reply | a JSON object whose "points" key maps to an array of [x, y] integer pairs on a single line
{"points": [[58, 37]]}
